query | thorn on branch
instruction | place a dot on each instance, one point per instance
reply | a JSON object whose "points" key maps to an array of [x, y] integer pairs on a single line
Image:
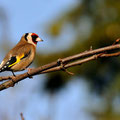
{"points": [[91, 48], [116, 42]]}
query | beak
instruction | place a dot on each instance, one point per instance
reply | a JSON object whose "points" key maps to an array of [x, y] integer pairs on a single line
{"points": [[39, 39]]}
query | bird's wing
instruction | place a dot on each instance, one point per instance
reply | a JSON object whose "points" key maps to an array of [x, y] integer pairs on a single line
{"points": [[15, 56]]}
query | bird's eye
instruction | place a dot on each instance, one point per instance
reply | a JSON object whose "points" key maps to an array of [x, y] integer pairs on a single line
{"points": [[34, 37]]}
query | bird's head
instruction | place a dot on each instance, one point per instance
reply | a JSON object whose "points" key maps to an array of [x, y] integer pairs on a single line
{"points": [[31, 38]]}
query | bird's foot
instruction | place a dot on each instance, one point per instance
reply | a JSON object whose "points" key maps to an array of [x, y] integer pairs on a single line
{"points": [[13, 74]]}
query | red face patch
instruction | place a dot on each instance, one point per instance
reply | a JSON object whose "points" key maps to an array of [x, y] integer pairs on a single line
{"points": [[34, 34]]}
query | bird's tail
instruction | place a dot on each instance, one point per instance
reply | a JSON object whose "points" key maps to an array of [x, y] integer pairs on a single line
{"points": [[2, 67]]}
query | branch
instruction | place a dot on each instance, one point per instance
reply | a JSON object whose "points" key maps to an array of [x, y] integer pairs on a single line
{"points": [[62, 64]]}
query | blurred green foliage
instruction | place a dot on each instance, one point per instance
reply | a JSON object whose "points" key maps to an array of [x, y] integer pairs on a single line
{"points": [[96, 23]]}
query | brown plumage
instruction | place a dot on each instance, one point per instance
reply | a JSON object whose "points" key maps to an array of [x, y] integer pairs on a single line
{"points": [[22, 55]]}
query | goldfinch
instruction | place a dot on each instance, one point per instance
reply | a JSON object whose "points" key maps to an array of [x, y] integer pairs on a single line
{"points": [[22, 55]]}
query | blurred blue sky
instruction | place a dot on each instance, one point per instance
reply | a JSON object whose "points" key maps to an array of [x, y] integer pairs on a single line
{"points": [[33, 16], [26, 16]]}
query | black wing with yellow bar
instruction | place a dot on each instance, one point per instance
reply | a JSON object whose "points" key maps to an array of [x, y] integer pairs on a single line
{"points": [[12, 61]]}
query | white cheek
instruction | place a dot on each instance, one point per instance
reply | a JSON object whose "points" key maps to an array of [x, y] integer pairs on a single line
{"points": [[32, 43], [30, 40]]}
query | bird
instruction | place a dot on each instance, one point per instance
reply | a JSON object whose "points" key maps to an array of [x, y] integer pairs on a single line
{"points": [[22, 55]]}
